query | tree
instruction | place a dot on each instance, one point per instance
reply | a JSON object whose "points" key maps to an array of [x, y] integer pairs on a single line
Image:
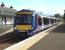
{"points": [[57, 15]]}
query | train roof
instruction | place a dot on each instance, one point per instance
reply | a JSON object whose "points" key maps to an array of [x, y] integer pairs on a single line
{"points": [[51, 17], [34, 12], [44, 16], [26, 11]]}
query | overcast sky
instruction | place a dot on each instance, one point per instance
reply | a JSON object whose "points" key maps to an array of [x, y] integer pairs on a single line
{"points": [[45, 6]]}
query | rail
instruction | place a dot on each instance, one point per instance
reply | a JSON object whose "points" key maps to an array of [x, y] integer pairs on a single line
{"points": [[8, 31]]}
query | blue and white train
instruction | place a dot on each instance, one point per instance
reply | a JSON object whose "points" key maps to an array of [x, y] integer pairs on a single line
{"points": [[28, 22]]}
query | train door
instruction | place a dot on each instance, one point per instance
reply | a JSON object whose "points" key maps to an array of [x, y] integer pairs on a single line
{"points": [[46, 22], [39, 21], [52, 21]]}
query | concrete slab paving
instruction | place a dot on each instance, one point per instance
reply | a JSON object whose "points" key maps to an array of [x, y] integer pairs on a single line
{"points": [[55, 40]]}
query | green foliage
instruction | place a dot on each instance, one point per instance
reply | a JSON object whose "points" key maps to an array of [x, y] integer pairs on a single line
{"points": [[57, 15]]}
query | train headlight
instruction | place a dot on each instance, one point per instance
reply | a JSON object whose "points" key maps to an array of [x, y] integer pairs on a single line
{"points": [[14, 27]]}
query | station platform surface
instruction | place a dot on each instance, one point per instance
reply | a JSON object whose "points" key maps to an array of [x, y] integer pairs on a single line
{"points": [[55, 40]]}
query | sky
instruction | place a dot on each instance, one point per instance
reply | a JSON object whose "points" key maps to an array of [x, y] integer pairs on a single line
{"points": [[49, 7]]}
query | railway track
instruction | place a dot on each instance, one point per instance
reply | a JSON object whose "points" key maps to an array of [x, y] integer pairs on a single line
{"points": [[8, 40]]}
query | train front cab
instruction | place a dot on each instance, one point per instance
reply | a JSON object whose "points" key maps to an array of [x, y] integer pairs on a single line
{"points": [[23, 24]]}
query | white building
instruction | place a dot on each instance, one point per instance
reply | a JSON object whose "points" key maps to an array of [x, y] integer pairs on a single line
{"points": [[7, 14]]}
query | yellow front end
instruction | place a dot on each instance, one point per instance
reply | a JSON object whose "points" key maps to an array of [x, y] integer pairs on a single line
{"points": [[23, 28]]}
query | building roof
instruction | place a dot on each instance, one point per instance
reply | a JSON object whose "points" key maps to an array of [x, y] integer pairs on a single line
{"points": [[8, 9]]}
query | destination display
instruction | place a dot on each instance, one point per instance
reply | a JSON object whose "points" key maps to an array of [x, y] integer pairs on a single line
{"points": [[24, 13]]}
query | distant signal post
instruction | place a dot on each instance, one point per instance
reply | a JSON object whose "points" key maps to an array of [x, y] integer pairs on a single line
{"points": [[64, 16]]}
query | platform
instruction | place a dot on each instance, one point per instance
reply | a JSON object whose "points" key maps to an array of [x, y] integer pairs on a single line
{"points": [[53, 41], [50, 39]]}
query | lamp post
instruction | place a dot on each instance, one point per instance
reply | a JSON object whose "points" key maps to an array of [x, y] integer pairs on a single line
{"points": [[2, 5], [11, 7], [3, 18]]}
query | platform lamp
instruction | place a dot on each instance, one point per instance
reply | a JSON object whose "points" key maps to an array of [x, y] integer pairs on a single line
{"points": [[2, 5], [11, 7]]}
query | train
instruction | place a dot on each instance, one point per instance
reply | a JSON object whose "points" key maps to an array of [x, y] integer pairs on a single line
{"points": [[29, 22]]}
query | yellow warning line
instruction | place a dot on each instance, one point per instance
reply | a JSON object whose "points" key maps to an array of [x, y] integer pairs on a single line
{"points": [[25, 44]]}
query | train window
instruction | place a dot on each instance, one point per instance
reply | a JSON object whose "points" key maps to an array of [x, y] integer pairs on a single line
{"points": [[39, 21], [26, 19], [52, 21], [19, 20], [46, 21]]}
